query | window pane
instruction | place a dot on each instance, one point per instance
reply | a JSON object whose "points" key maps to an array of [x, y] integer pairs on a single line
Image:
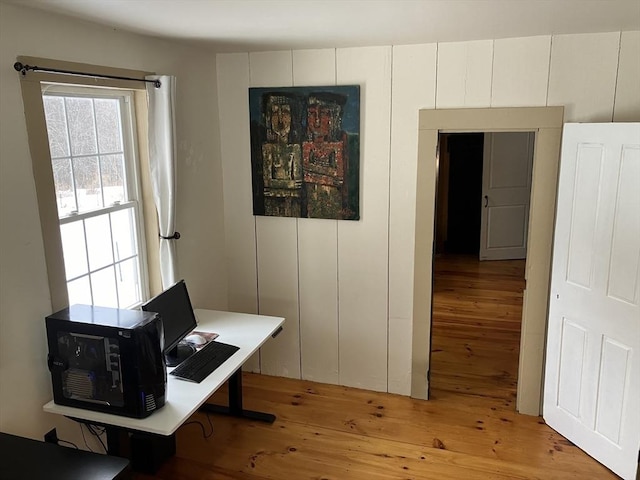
{"points": [[113, 182], [65, 198], [128, 282], [90, 162], [99, 241], [79, 291], [81, 126], [87, 178], [104, 288], [108, 123], [124, 234], [56, 126], [74, 249]]}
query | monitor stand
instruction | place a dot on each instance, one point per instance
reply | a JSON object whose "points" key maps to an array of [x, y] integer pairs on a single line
{"points": [[179, 353]]}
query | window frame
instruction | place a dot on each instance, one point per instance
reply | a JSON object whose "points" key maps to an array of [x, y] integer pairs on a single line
{"points": [[132, 168], [31, 86]]}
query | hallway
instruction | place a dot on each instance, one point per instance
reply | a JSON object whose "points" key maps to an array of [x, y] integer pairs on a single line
{"points": [[477, 310]]}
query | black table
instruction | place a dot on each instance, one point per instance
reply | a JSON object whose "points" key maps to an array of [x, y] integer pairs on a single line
{"points": [[23, 458]]}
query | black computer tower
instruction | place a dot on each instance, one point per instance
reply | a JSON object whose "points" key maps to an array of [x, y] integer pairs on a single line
{"points": [[107, 359]]}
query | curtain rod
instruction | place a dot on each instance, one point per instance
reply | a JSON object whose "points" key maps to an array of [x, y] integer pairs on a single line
{"points": [[23, 69]]}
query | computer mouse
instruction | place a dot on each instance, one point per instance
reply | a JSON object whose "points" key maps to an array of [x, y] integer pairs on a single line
{"points": [[195, 339]]}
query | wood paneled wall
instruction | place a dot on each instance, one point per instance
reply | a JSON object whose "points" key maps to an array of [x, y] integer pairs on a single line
{"points": [[409, 94], [346, 288]]}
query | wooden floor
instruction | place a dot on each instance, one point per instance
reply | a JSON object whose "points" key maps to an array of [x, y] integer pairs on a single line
{"points": [[468, 430], [477, 311], [333, 433]]}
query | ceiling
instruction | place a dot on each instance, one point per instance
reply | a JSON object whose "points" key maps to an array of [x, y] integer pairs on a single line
{"points": [[254, 25]]}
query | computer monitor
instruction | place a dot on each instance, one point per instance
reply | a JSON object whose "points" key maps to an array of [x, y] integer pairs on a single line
{"points": [[178, 319]]}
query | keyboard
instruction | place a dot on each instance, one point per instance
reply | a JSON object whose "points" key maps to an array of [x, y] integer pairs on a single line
{"points": [[199, 365]]}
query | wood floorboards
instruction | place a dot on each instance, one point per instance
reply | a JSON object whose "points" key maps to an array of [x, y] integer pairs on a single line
{"points": [[477, 311], [330, 432], [468, 430]]}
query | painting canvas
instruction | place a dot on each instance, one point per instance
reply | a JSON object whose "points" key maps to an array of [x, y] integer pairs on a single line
{"points": [[305, 151]]}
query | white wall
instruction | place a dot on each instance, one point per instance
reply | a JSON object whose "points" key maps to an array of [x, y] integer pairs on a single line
{"points": [[346, 287], [24, 292]]}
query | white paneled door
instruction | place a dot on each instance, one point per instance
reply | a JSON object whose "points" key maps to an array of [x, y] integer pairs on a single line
{"points": [[592, 380], [506, 189]]}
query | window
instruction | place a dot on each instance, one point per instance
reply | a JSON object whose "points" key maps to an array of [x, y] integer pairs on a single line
{"points": [[97, 188]]}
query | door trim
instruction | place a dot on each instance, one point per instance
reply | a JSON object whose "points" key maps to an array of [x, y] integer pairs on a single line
{"points": [[546, 122]]}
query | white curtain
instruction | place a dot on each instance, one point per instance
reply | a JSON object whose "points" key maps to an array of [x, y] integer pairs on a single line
{"points": [[162, 159]]}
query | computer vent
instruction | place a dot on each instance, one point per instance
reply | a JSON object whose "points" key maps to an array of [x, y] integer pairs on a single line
{"points": [[78, 384], [150, 403]]}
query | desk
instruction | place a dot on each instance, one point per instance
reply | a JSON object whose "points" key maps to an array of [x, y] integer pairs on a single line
{"points": [[249, 332], [26, 458]]}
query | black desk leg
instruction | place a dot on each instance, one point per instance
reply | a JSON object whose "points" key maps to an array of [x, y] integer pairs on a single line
{"points": [[147, 451], [113, 441], [235, 403]]}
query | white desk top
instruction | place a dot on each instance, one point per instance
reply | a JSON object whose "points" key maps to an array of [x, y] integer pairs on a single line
{"points": [[249, 332]]}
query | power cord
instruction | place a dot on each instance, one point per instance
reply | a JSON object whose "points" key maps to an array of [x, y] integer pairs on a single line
{"points": [[85, 438], [205, 435], [52, 437], [96, 431]]}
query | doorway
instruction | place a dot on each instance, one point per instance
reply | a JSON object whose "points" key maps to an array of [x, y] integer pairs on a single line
{"points": [[477, 300], [458, 214], [546, 122]]}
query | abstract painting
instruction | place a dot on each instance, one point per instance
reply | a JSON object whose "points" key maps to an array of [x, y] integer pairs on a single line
{"points": [[305, 151]]}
